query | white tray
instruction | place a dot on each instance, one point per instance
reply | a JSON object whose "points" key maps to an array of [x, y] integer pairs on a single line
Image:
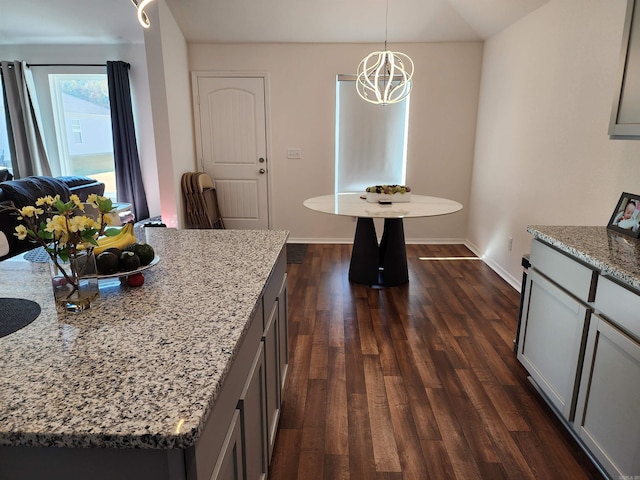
{"points": [[373, 197]]}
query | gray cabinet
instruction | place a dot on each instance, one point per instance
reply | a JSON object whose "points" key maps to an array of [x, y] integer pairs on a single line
{"points": [[551, 340], [625, 113], [275, 343], [230, 461], [272, 376], [607, 419], [283, 332], [554, 324], [253, 419], [581, 346]]}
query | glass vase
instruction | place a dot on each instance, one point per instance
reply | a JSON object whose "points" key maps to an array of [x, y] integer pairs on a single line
{"points": [[74, 281]]}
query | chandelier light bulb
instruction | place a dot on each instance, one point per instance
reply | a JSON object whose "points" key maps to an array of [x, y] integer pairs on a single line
{"points": [[384, 78], [143, 19]]}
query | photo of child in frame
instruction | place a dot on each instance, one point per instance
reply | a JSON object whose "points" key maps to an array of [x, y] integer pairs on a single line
{"points": [[626, 217]]}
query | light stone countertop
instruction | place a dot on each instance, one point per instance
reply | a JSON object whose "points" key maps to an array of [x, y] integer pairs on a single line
{"points": [[614, 254], [143, 367]]}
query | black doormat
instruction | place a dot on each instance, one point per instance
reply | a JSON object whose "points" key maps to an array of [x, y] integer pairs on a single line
{"points": [[16, 313], [296, 252]]}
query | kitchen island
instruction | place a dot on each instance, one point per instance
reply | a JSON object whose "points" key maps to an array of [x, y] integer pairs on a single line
{"points": [[580, 338], [152, 382]]}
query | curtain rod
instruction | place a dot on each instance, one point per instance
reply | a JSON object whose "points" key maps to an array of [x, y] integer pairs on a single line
{"points": [[70, 65], [66, 64]]}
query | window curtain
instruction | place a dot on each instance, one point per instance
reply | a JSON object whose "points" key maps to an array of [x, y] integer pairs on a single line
{"points": [[26, 140], [125, 149]]}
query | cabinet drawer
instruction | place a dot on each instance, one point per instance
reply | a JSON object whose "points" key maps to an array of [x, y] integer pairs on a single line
{"points": [[572, 275], [620, 305]]}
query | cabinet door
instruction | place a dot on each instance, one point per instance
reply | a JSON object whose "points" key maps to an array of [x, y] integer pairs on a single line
{"points": [[283, 332], [270, 340], [552, 337], [625, 113], [229, 464], [607, 417], [253, 417]]}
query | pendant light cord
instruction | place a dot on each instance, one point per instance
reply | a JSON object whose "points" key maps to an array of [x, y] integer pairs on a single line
{"points": [[386, 34], [386, 27]]}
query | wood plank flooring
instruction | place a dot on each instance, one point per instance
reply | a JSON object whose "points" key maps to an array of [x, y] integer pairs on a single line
{"points": [[412, 382]]}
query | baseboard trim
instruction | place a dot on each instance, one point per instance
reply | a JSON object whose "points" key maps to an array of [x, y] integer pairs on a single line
{"points": [[408, 241], [516, 283], [506, 276], [319, 240]]}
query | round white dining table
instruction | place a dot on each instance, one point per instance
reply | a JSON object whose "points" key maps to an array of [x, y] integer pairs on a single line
{"points": [[384, 264]]}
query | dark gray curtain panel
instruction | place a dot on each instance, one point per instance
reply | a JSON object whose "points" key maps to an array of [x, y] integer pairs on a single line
{"points": [[125, 149], [26, 141]]}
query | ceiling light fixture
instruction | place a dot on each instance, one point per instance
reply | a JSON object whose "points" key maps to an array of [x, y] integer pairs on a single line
{"points": [[385, 77], [142, 17]]}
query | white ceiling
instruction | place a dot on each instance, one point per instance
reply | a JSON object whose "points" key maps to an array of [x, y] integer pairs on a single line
{"points": [[207, 21]]}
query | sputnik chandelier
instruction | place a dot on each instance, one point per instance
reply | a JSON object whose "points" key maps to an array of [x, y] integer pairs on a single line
{"points": [[142, 17], [385, 77]]}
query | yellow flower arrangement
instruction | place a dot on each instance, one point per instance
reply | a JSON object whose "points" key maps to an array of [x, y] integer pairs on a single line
{"points": [[60, 227], [63, 229]]}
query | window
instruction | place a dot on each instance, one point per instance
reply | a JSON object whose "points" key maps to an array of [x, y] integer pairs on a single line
{"points": [[371, 140], [5, 153], [82, 120], [73, 103]]}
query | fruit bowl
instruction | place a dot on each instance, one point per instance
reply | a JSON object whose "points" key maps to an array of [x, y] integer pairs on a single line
{"points": [[388, 193], [154, 262]]}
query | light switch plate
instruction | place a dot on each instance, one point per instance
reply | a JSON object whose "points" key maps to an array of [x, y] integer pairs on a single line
{"points": [[294, 153]]}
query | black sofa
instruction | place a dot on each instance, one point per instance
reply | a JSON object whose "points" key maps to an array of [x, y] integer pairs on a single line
{"points": [[26, 191]]}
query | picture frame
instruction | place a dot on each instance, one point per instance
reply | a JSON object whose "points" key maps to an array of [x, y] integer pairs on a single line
{"points": [[625, 219]]}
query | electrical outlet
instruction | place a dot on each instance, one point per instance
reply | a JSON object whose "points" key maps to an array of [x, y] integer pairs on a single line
{"points": [[294, 153], [510, 243]]}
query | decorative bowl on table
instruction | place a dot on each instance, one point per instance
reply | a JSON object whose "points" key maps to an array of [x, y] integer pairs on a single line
{"points": [[389, 193], [123, 273]]}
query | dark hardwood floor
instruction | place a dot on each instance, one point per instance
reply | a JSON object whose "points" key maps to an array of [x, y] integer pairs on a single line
{"points": [[412, 382]]}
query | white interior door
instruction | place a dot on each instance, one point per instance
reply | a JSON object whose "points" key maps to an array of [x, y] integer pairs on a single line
{"points": [[233, 146]]}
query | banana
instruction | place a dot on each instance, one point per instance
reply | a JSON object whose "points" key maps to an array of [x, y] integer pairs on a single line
{"points": [[123, 239]]}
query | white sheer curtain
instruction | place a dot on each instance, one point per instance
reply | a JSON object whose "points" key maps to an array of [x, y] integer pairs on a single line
{"points": [[26, 140], [370, 140]]}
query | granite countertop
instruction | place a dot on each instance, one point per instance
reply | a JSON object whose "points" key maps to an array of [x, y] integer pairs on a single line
{"points": [[143, 367], [614, 254]]}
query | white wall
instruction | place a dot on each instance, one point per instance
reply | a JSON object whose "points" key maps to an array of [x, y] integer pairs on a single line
{"points": [[171, 103], [302, 115], [99, 54], [542, 153]]}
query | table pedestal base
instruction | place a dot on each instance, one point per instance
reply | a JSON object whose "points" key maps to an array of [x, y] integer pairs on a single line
{"points": [[384, 265]]}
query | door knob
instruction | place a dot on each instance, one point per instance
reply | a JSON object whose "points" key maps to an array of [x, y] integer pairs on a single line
{"points": [[262, 170]]}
